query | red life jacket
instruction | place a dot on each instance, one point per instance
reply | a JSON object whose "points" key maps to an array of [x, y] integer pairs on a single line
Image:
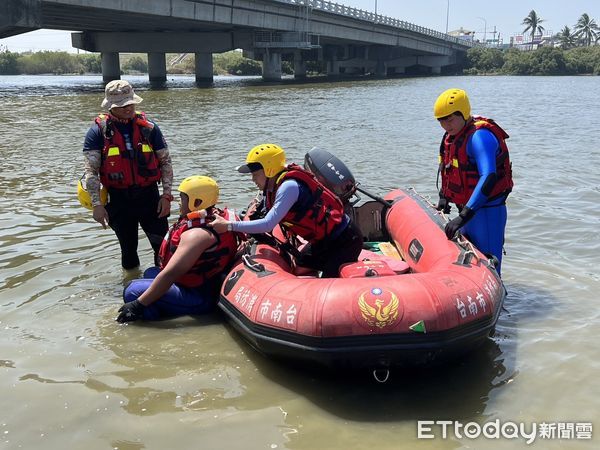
{"points": [[459, 175], [312, 218], [120, 168], [213, 261]]}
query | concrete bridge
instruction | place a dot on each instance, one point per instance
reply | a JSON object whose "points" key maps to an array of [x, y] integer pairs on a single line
{"points": [[349, 40]]}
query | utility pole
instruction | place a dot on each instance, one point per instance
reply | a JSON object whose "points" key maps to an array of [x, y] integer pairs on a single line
{"points": [[447, 14]]}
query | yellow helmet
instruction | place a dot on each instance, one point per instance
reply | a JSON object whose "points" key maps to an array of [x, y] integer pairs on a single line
{"points": [[85, 198], [451, 101], [269, 157], [200, 188]]}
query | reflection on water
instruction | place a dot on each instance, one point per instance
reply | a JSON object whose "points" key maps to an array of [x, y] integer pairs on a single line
{"points": [[74, 378]]}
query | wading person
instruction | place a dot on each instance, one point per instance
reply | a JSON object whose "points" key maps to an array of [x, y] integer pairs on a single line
{"points": [[476, 173], [128, 155], [192, 259], [303, 207]]}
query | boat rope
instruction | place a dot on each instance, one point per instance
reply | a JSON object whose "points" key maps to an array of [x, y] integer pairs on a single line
{"points": [[428, 201], [251, 264], [468, 246], [385, 375]]}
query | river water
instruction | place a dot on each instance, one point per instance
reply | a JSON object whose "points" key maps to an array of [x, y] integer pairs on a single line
{"points": [[71, 377]]}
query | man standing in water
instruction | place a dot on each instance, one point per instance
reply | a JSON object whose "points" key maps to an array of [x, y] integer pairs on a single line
{"points": [[128, 154], [476, 173]]}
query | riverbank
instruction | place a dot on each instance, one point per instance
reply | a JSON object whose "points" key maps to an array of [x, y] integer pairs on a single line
{"points": [[478, 61]]}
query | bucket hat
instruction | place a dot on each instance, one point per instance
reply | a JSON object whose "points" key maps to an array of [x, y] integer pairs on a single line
{"points": [[119, 93]]}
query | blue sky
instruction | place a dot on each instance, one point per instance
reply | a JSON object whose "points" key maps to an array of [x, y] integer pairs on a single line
{"points": [[505, 15]]}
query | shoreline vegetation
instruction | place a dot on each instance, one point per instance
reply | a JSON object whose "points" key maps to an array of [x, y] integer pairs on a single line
{"points": [[478, 61]]}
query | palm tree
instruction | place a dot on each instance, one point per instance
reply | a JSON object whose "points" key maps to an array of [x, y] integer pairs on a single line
{"points": [[566, 38], [532, 22], [587, 29]]}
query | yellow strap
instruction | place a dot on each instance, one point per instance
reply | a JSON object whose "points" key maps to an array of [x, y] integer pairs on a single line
{"points": [[146, 148], [113, 151], [389, 250], [455, 163], [280, 177]]}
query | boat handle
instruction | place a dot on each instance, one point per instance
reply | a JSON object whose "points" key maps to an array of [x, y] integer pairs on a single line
{"points": [[252, 265], [385, 375]]}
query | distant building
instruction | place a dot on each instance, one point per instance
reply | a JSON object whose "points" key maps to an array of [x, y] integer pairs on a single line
{"points": [[461, 33], [524, 41]]}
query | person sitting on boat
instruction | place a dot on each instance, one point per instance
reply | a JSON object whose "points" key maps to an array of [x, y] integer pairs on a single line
{"points": [[192, 259], [476, 173], [303, 207]]}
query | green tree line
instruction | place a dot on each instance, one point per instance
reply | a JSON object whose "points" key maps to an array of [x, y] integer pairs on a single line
{"points": [[543, 61], [572, 52], [58, 63]]}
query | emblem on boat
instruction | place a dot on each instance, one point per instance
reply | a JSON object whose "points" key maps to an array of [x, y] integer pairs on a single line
{"points": [[379, 307]]}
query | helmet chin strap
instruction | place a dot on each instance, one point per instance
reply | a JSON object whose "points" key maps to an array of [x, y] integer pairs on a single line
{"points": [[270, 184]]}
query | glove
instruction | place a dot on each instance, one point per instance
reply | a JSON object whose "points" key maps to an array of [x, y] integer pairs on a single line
{"points": [[131, 311], [458, 222], [443, 205]]}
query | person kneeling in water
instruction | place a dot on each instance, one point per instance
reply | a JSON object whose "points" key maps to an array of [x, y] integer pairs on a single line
{"points": [[192, 258], [302, 206]]}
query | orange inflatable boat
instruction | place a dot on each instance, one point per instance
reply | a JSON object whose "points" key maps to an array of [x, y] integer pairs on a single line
{"points": [[418, 299]]}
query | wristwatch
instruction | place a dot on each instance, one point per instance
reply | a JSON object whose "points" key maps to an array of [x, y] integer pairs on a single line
{"points": [[229, 226]]}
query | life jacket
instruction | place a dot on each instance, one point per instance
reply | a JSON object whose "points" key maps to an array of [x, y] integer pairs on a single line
{"points": [[121, 168], [213, 261], [459, 175], [316, 213]]}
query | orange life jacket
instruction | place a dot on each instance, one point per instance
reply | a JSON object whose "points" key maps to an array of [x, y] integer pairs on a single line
{"points": [[122, 168], [459, 175], [314, 217], [213, 261]]}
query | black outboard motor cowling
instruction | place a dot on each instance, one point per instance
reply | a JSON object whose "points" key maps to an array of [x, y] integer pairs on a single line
{"points": [[332, 172]]}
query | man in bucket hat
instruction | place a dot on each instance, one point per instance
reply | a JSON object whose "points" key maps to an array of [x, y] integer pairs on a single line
{"points": [[127, 154]]}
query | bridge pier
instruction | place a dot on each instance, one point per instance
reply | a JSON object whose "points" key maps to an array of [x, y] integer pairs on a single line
{"points": [[111, 69], [157, 68], [204, 68], [333, 66], [299, 66], [381, 68], [271, 70]]}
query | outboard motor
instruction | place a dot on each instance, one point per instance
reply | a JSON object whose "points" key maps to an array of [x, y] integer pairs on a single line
{"points": [[333, 173]]}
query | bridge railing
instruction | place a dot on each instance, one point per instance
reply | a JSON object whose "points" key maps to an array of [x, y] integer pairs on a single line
{"points": [[337, 8]]}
